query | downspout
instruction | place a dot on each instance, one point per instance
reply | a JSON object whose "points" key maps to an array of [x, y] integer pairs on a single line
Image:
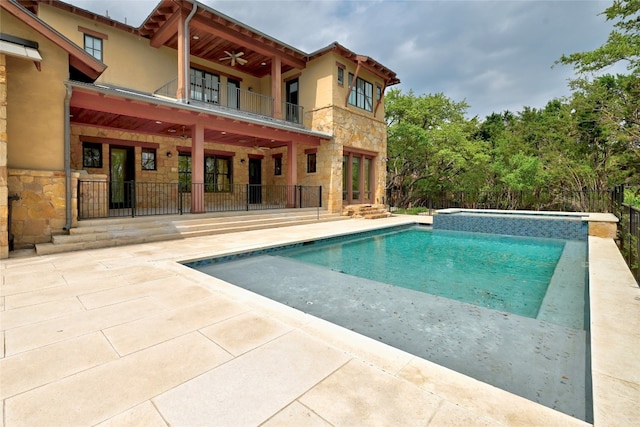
{"points": [[187, 52], [67, 156]]}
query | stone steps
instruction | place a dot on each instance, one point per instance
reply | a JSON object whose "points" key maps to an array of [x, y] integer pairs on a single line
{"points": [[366, 211], [103, 233]]}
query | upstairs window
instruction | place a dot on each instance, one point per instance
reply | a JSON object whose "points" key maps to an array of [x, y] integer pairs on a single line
{"points": [[340, 76], [205, 86], [93, 46], [362, 93]]}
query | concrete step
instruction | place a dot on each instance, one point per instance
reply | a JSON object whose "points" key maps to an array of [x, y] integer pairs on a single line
{"points": [[102, 233]]}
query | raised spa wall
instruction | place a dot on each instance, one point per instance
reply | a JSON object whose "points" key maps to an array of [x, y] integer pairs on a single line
{"points": [[556, 225]]}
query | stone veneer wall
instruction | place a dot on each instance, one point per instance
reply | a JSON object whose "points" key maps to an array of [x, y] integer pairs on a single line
{"points": [[40, 211], [351, 130], [4, 189]]}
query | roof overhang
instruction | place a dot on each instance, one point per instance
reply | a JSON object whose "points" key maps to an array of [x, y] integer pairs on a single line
{"points": [[366, 62], [78, 58], [19, 48]]}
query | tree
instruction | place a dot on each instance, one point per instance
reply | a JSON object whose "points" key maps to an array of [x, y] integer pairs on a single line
{"points": [[623, 43]]}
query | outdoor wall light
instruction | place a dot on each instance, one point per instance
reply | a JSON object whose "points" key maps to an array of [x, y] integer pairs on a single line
{"points": [[169, 154], [242, 161]]}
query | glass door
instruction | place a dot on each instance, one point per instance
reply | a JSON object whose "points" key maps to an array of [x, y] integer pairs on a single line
{"points": [[292, 113], [122, 177], [255, 181], [233, 93]]}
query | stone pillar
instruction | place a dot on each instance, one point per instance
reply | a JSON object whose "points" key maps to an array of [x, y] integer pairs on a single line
{"points": [[4, 188]]}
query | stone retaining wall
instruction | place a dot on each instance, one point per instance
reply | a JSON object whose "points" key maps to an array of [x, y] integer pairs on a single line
{"points": [[40, 212]]}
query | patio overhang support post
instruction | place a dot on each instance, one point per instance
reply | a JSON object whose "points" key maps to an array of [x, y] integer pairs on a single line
{"points": [[292, 173], [197, 168]]}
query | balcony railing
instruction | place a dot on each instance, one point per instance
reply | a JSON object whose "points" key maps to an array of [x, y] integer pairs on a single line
{"points": [[103, 199], [214, 95]]}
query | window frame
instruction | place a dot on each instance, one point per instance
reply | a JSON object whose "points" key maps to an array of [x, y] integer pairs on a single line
{"points": [[199, 90], [312, 162], [86, 146], [212, 179], [277, 166], [361, 94], [92, 50], [143, 164]]}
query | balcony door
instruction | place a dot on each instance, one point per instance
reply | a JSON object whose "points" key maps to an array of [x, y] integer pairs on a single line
{"points": [[233, 93], [292, 114]]}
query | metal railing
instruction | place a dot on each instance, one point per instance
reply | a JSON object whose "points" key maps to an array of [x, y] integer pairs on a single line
{"points": [[103, 199], [628, 231], [214, 95]]}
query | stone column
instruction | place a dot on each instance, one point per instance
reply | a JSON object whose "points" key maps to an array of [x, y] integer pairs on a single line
{"points": [[4, 188]]}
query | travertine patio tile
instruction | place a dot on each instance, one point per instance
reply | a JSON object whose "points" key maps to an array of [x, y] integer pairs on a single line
{"points": [[358, 394], [617, 401], [160, 289], [133, 336], [44, 333], [144, 414], [296, 415], [97, 394], [61, 292], [482, 398], [26, 282], [2, 348], [37, 313], [253, 387], [245, 332], [450, 415], [41, 366]]}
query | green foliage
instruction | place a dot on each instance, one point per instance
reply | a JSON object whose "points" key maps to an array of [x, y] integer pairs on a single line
{"points": [[588, 141], [411, 211]]}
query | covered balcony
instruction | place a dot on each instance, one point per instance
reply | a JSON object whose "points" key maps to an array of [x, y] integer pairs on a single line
{"points": [[206, 41], [214, 95]]}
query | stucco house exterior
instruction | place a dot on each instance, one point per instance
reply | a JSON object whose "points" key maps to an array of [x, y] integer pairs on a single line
{"points": [[192, 111]]}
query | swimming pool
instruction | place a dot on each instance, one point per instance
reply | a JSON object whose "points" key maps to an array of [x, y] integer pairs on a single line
{"points": [[543, 357]]}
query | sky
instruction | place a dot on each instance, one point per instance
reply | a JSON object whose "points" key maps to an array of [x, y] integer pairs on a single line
{"points": [[494, 55]]}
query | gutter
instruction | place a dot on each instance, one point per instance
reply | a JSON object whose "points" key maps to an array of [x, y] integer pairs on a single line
{"points": [[67, 156], [187, 52]]}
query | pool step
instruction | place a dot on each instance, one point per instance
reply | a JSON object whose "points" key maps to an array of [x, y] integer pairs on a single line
{"points": [[366, 211], [103, 233]]}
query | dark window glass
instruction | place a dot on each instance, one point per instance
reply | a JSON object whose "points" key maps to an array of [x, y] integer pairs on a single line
{"points": [[340, 76], [311, 163], [91, 155], [362, 94], [184, 172], [277, 166]]}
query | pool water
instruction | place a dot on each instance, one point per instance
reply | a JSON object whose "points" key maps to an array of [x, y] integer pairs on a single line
{"points": [[504, 273]]}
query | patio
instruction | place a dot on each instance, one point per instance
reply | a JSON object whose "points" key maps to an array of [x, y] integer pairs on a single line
{"points": [[127, 336]]}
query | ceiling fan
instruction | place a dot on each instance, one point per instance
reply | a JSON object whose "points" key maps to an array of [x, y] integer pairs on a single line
{"points": [[234, 57]]}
